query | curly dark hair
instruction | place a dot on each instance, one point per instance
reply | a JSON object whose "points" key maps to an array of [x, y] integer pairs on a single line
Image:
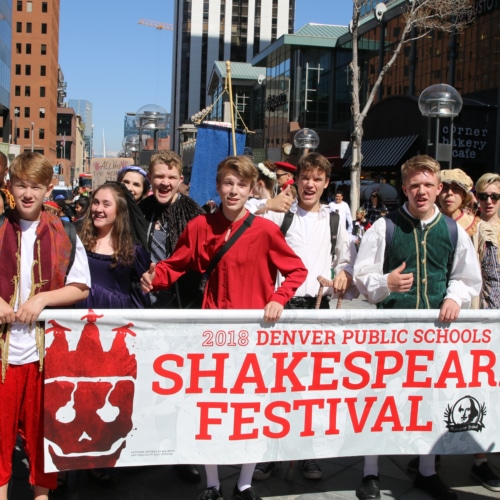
{"points": [[121, 234]]}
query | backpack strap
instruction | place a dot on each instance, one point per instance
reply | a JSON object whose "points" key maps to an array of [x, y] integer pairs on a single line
{"points": [[334, 229], [453, 230], [218, 256], [334, 226], [390, 224], [287, 222]]}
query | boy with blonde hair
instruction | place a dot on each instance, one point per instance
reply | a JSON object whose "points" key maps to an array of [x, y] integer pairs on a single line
{"points": [[35, 273], [428, 263]]}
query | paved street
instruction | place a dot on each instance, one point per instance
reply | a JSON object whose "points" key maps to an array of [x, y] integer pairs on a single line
{"points": [[340, 478]]}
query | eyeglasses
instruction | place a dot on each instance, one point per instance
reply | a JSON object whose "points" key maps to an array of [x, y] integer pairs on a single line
{"points": [[279, 176], [484, 196]]}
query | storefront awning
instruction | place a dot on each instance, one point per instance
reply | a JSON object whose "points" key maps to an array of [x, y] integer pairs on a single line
{"points": [[385, 152]]}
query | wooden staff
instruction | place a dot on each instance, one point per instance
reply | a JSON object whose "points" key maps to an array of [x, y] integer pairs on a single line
{"points": [[323, 282], [231, 105]]}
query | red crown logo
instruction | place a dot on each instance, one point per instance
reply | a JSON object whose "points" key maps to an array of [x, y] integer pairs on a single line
{"points": [[89, 359], [89, 395]]}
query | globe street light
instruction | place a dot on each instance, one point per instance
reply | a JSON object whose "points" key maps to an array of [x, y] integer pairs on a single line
{"points": [[306, 139], [440, 101], [131, 145], [150, 117]]}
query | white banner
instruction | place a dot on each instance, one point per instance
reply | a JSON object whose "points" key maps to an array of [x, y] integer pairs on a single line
{"points": [[149, 387]]}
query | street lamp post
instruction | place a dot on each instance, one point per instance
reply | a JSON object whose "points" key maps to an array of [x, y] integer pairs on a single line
{"points": [[440, 101], [16, 114]]}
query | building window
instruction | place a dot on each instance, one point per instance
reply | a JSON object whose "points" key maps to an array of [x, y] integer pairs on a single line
{"points": [[28, 27], [17, 91], [43, 49], [26, 112], [41, 134], [29, 6], [19, 48], [44, 28], [27, 70], [42, 91], [26, 133], [18, 69], [27, 91], [44, 7], [28, 48], [19, 6], [43, 70], [19, 27], [42, 112]]}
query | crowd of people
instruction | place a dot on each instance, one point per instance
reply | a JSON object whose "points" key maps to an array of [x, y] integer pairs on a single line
{"points": [[141, 242]]}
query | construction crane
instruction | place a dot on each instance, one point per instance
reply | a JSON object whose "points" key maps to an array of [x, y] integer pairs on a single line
{"points": [[156, 24]]}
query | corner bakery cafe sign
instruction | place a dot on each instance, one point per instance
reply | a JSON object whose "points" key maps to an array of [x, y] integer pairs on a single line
{"points": [[126, 388], [468, 142]]}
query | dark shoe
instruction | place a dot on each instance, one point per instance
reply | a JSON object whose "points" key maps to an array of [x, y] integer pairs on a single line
{"points": [[188, 473], [486, 476], [369, 489], [414, 464], [434, 487], [102, 477], [248, 494], [211, 494], [264, 470], [311, 469]]}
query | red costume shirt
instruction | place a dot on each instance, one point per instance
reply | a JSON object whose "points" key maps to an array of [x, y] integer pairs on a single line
{"points": [[245, 277]]}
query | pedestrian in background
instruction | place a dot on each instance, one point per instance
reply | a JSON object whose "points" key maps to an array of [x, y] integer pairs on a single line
{"points": [[375, 207], [343, 209]]}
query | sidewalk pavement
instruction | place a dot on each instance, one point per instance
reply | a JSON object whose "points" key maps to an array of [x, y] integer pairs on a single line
{"points": [[341, 477]]}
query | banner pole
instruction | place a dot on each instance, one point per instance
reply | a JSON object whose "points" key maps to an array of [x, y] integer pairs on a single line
{"points": [[230, 85]]}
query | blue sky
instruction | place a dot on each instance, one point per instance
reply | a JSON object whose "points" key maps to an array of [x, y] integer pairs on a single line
{"points": [[119, 65]]}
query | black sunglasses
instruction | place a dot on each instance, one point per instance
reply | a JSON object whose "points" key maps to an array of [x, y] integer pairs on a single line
{"points": [[485, 196], [278, 176]]}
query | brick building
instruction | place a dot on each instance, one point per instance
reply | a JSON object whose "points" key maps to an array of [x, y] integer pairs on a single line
{"points": [[35, 75]]}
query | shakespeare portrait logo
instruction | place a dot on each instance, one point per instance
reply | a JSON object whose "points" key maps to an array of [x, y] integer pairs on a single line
{"points": [[465, 415]]}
